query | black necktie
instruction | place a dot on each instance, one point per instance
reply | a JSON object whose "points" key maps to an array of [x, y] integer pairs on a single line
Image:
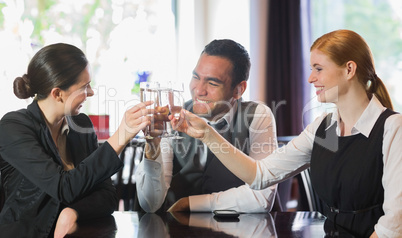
{"points": [[219, 127]]}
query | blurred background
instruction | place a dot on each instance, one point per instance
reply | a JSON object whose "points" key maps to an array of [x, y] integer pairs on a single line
{"points": [[128, 41]]}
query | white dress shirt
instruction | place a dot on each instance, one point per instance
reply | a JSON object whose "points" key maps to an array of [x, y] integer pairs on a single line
{"points": [[153, 177], [289, 160]]}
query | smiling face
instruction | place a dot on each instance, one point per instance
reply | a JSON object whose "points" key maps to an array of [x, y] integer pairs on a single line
{"points": [[328, 78], [77, 94], [211, 87]]}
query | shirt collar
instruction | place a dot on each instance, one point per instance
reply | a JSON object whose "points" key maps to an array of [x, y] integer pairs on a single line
{"points": [[366, 121], [65, 129], [228, 117]]}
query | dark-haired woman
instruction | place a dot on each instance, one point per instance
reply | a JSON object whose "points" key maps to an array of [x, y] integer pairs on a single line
{"points": [[52, 170], [355, 153]]}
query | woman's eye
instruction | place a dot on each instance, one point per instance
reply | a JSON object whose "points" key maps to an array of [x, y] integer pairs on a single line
{"points": [[85, 87]]}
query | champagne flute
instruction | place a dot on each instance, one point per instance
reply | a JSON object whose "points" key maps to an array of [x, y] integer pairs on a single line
{"points": [[164, 98], [149, 92], [176, 103]]}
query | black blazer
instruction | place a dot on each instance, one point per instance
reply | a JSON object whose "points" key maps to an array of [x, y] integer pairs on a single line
{"points": [[36, 186]]}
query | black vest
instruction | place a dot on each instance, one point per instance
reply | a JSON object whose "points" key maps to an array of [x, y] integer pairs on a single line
{"points": [[346, 173], [189, 177]]}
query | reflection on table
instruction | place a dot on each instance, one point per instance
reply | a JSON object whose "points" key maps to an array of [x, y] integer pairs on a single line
{"points": [[275, 224]]}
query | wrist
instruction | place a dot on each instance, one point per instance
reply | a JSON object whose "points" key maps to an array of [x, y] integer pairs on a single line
{"points": [[208, 135], [152, 149], [117, 142]]}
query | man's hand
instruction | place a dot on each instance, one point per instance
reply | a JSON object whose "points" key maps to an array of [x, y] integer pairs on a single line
{"points": [[183, 205], [66, 223], [152, 148], [159, 118]]}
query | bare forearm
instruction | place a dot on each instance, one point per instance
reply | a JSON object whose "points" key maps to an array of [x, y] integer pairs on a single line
{"points": [[117, 142], [235, 160]]}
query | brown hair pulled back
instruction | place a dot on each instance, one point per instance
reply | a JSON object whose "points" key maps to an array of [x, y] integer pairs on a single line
{"points": [[56, 65], [21, 87], [342, 46]]}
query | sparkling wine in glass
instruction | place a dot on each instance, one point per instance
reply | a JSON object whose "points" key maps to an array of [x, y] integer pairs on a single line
{"points": [[176, 102], [164, 99], [149, 92]]}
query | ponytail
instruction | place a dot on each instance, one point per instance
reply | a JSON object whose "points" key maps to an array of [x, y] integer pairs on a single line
{"points": [[378, 88]]}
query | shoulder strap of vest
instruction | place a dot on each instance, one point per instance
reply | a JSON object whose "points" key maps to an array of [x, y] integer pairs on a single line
{"points": [[241, 123], [379, 124], [247, 109]]}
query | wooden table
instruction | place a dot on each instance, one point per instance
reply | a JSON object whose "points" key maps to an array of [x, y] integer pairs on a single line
{"points": [[275, 224]]}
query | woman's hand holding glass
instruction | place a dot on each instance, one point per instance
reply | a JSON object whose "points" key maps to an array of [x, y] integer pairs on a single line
{"points": [[190, 124], [133, 121]]}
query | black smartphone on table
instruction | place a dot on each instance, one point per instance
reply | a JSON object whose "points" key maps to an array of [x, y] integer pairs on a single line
{"points": [[226, 215]]}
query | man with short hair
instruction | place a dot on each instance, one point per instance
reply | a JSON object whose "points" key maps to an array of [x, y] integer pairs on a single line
{"points": [[183, 175]]}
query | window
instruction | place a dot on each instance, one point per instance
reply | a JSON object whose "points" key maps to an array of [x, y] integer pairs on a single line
{"points": [[121, 39], [379, 22]]}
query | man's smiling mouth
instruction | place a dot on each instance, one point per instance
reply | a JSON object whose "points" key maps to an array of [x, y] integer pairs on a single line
{"points": [[202, 101]]}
